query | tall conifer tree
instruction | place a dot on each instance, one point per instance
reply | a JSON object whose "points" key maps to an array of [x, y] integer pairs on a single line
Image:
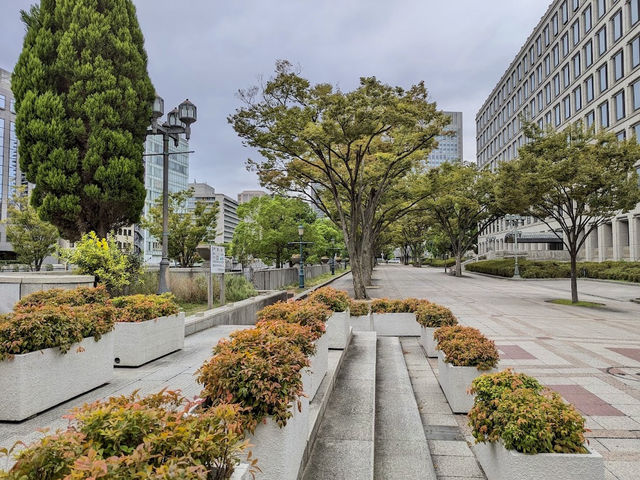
{"points": [[83, 99]]}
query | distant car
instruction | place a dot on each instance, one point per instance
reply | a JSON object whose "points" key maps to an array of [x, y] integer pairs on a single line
{"points": [[393, 260]]}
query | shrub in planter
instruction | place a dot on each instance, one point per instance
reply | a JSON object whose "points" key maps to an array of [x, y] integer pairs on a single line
{"points": [[307, 313], [133, 437], [359, 308], [58, 296], [257, 370], [467, 347], [384, 305], [336, 300], [139, 308], [430, 317], [301, 336]]}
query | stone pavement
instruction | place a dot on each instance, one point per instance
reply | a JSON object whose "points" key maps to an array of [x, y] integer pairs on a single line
{"points": [[590, 356]]}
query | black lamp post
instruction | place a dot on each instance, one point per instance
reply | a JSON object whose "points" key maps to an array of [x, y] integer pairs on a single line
{"points": [[178, 122], [301, 243]]}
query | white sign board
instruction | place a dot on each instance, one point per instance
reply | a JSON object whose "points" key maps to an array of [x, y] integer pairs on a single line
{"points": [[217, 259]]}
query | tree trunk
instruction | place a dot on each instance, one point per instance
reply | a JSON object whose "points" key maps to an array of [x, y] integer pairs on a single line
{"points": [[458, 264], [574, 274], [358, 279]]}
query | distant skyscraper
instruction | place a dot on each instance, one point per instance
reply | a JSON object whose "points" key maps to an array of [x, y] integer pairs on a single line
{"points": [[449, 146], [227, 219], [10, 174], [246, 195]]}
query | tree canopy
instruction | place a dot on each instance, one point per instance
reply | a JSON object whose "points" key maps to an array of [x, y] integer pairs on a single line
{"points": [[83, 99]]}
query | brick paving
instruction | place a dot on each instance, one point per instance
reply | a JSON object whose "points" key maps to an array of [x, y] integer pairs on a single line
{"points": [[590, 356]]}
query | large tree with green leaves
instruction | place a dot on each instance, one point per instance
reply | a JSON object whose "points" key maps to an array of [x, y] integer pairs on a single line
{"points": [[83, 98], [574, 180], [460, 199], [267, 226], [32, 239], [189, 225], [344, 150]]}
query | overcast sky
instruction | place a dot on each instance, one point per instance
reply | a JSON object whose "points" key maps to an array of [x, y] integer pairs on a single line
{"points": [[207, 49]]}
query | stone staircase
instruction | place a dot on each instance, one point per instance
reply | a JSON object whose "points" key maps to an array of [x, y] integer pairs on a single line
{"points": [[371, 428]]}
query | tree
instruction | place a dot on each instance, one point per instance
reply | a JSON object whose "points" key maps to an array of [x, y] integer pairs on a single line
{"points": [[267, 225], [461, 201], [573, 180], [410, 234], [188, 226], [83, 98], [326, 238], [32, 239], [344, 151]]}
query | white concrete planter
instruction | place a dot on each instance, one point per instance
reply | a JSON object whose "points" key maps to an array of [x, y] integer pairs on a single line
{"points": [[427, 341], [363, 323], [338, 330], [33, 382], [318, 369], [241, 472], [141, 342], [502, 464], [455, 381], [396, 324], [279, 451]]}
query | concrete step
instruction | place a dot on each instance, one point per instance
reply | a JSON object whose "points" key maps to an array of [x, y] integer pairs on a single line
{"points": [[344, 445], [401, 448]]}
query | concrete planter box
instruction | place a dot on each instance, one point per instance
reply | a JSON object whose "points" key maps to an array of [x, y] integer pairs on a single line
{"points": [[502, 464], [33, 382], [427, 341], [338, 330], [142, 342], [455, 381], [241, 472], [362, 323], [279, 451], [396, 324], [318, 369]]}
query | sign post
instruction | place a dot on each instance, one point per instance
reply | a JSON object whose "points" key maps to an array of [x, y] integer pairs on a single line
{"points": [[217, 267]]}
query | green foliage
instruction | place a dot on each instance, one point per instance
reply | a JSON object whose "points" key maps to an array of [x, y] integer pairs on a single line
{"points": [[307, 313], [58, 296], [32, 328], [515, 408], [139, 308], [327, 239], [574, 180], [83, 99], [466, 347], [267, 225], [102, 258], [430, 315], [359, 308], [187, 227], [137, 437], [237, 288], [336, 300], [408, 305], [439, 262], [32, 238]]}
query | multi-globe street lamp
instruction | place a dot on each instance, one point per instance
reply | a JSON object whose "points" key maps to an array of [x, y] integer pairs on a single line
{"points": [[515, 222], [301, 243], [333, 249], [178, 122]]}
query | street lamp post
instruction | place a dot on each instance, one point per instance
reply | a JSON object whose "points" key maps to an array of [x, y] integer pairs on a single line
{"points": [[301, 243], [333, 256], [179, 121], [515, 221]]}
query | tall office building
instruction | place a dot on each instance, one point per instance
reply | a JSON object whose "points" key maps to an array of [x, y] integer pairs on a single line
{"points": [[246, 195], [227, 219], [581, 63], [10, 174], [449, 146]]}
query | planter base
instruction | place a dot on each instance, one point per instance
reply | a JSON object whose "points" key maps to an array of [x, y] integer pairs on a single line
{"points": [[312, 377], [502, 464], [396, 324], [427, 341], [362, 323], [455, 381], [338, 330]]}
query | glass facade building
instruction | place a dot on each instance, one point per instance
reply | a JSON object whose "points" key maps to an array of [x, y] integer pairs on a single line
{"points": [[449, 146]]}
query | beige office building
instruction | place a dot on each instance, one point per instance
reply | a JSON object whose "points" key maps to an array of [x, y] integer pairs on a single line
{"points": [[581, 63]]}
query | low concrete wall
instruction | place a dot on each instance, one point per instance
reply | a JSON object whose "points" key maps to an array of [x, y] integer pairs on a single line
{"points": [[238, 313], [14, 286]]}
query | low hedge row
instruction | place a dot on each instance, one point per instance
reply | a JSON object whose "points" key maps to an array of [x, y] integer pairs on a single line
{"points": [[466, 347], [439, 262], [626, 271], [61, 318], [515, 409]]}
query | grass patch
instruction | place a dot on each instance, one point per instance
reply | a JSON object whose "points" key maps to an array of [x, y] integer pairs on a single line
{"points": [[314, 281], [189, 308], [563, 301]]}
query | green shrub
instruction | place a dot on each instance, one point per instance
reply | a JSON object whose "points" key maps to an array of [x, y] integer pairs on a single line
{"points": [[307, 313], [238, 288], [336, 300], [430, 315], [466, 347], [191, 289], [407, 305], [32, 328], [515, 409], [140, 308], [132, 437], [439, 262], [359, 308], [58, 296]]}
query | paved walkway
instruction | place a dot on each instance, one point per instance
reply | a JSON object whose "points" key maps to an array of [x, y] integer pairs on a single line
{"points": [[590, 356]]}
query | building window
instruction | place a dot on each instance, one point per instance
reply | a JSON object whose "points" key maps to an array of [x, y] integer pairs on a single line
{"points": [[3, 103], [604, 114], [589, 88], [12, 106], [575, 31], [602, 7], [554, 24], [634, 11], [547, 118], [566, 76], [567, 106], [577, 98], [556, 55], [546, 36], [636, 132], [547, 65], [539, 74], [621, 135], [618, 66], [576, 4], [588, 22], [547, 93], [539, 45], [635, 52], [565, 44], [556, 85], [576, 66], [540, 102], [602, 40], [635, 88], [590, 118], [556, 114], [616, 24], [565, 13], [618, 99], [603, 77], [588, 54]]}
